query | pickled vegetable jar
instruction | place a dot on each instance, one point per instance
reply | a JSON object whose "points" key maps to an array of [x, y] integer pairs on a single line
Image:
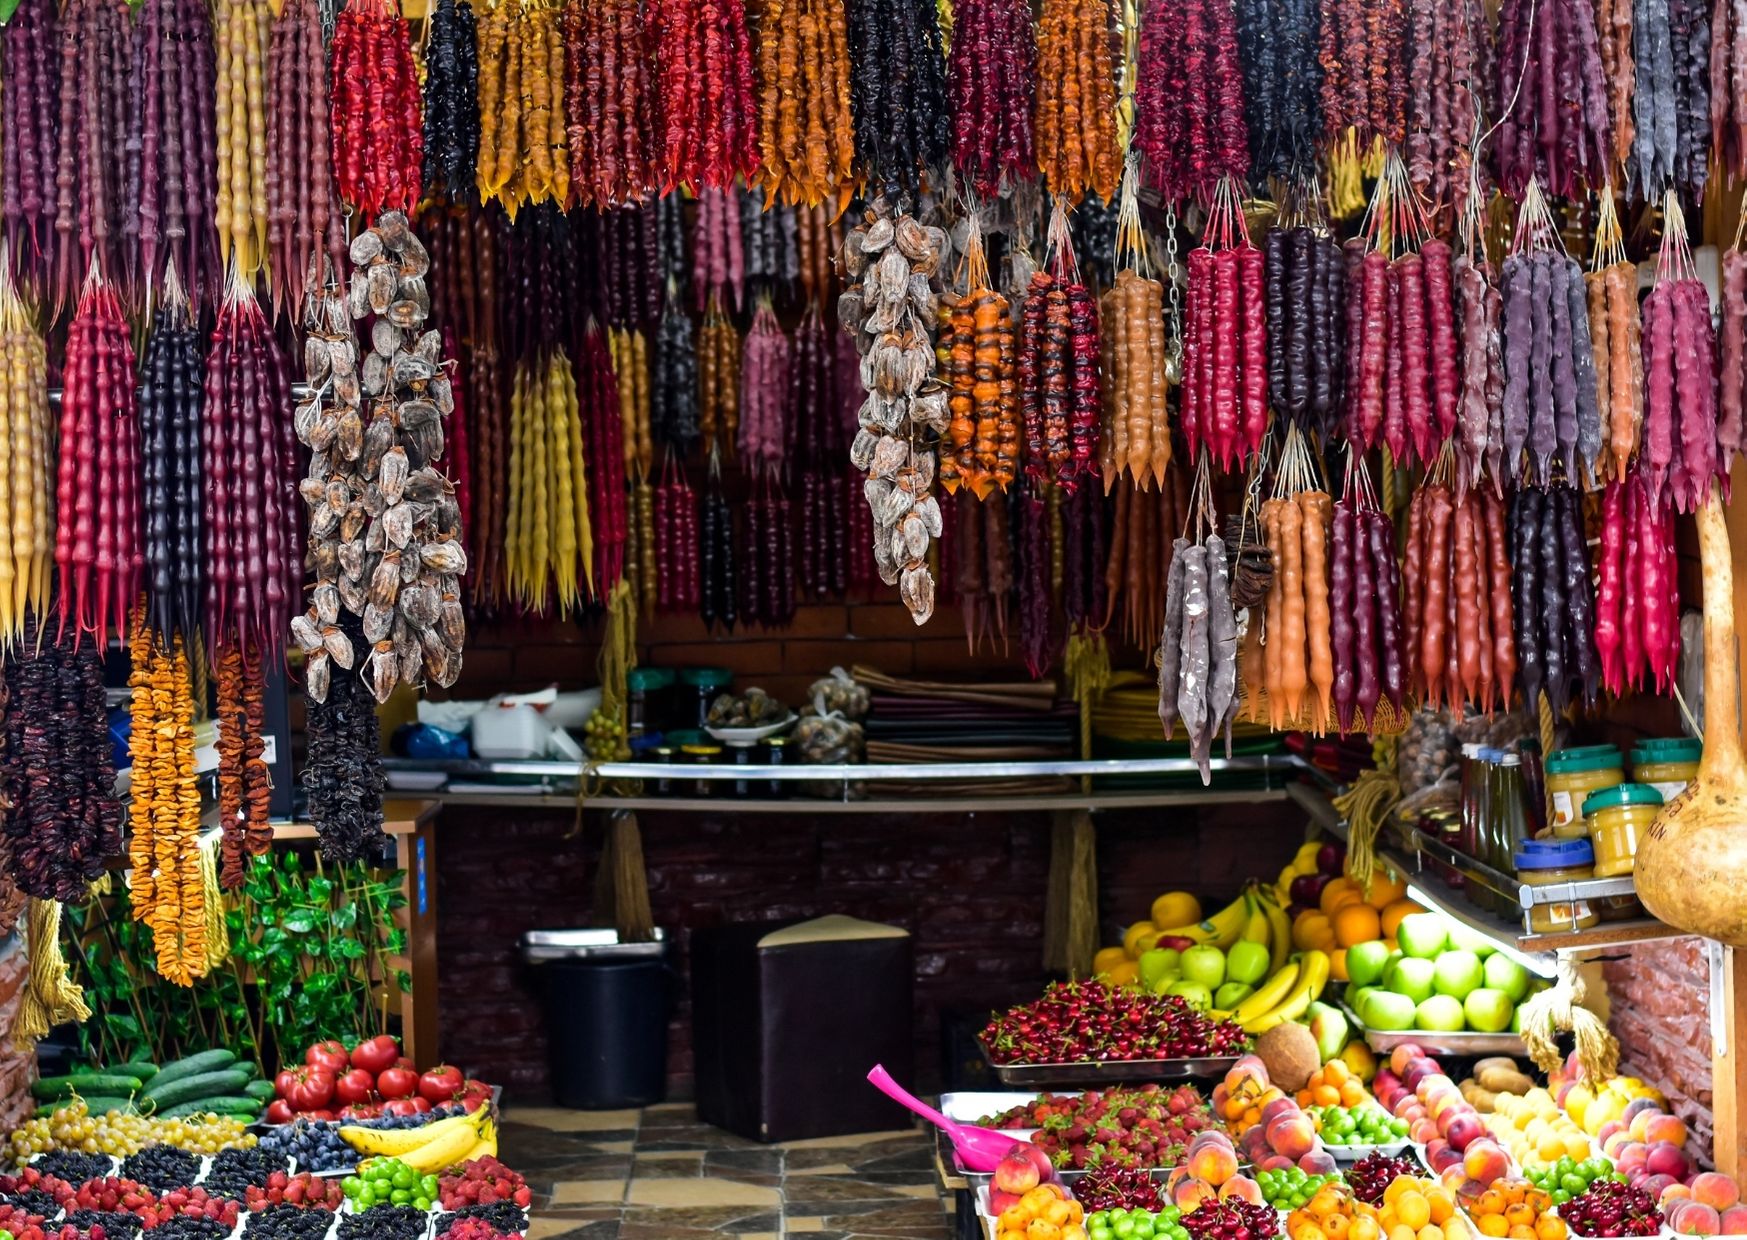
{"points": [[1616, 816], [1546, 863], [1667, 766], [1573, 774]]}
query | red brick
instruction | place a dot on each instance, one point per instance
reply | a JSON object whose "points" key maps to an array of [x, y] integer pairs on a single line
{"points": [[890, 657]]}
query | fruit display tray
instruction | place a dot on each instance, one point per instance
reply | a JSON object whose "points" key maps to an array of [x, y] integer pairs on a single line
{"points": [[1107, 1071], [1435, 1043], [1345, 1154]]}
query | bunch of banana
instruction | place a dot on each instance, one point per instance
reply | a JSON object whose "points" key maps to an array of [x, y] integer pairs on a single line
{"points": [[432, 1148], [1284, 996], [1304, 862]]}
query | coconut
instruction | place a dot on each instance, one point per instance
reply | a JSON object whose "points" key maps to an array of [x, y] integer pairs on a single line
{"points": [[1290, 1053]]}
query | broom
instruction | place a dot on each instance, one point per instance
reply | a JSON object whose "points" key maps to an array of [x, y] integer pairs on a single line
{"points": [[621, 893]]}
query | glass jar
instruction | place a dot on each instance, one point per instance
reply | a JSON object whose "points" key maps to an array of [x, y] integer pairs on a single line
{"points": [[702, 755], [1667, 766], [776, 753], [698, 687], [1572, 774], [645, 690], [1617, 817], [1547, 863]]}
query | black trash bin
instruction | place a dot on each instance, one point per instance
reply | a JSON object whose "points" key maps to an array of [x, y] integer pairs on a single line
{"points": [[607, 1004]]}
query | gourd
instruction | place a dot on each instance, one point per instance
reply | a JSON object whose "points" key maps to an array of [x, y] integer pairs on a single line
{"points": [[1692, 861]]}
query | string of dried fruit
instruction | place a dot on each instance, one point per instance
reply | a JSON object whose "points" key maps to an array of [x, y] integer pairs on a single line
{"points": [[628, 267], [1142, 526], [1671, 104], [1461, 594], [1077, 150], [1362, 52], [706, 110], [244, 782], [608, 102], [1060, 397], [1613, 28], [63, 819], [342, 773], [819, 412], [451, 98], [1637, 595], [303, 215], [1611, 291], [767, 588], [550, 532], [771, 241], [1478, 445], [981, 448], [524, 152], [1448, 64], [1198, 635], [1277, 43], [718, 254], [897, 90], [1555, 604], [608, 518], [1370, 652], [673, 387], [990, 70], [249, 528], [718, 381], [29, 65], [717, 589], [240, 129], [1225, 339], [894, 263], [98, 556], [26, 447], [1301, 666], [169, 211], [1039, 639], [982, 561], [377, 135], [1551, 100], [806, 140], [94, 84], [1550, 389], [819, 239], [164, 805], [171, 387], [1682, 435], [1305, 288], [1189, 98], [764, 381], [539, 310], [675, 542]]}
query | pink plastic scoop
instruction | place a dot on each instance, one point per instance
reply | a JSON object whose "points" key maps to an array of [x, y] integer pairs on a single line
{"points": [[978, 1149]]}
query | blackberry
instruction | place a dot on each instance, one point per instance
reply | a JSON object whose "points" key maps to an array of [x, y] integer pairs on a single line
{"points": [[383, 1223], [506, 1216], [161, 1167], [116, 1225], [235, 1171], [287, 1223], [74, 1166], [185, 1227], [35, 1201]]}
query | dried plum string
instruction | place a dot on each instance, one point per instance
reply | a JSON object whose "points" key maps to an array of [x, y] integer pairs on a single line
{"points": [[1277, 42], [897, 90], [171, 386], [451, 98], [342, 773]]}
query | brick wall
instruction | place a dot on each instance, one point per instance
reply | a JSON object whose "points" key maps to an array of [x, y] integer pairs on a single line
{"points": [[1659, 998], [969, 887]]}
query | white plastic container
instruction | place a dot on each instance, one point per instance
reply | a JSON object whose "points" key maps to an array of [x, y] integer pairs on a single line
{"points": [[515, 732]]}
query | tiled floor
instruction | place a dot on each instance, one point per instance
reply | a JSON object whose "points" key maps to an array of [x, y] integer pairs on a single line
{"points": [[660, 1174]]}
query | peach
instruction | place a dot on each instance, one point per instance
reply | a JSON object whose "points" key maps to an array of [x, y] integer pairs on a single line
{"points": [[1714, 1190], [1249, 1067], [1404, 1054], [1672, 1192], [1242, 1186], [1667, 1128], [1483, 1160], [1190, 1193], [1275, 1162], [1607, 1130], [1214, 1163], [1656, 1184], [1219, 1095], [1696, 1219], [1733, 1221], [1291, 1135], [1632, 1157], [1639, 1126], [1317, 1162], [1015, 1174], [1615, 1143], [1463, 1129], [1000, 1200], [1210, 1136], [1665, 1158], [1636, 1107], [1444, 1159], [1402, 1104], [1280, 1106], [1423, 1130]]}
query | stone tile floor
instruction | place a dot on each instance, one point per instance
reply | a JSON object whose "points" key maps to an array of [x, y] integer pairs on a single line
{"points": [[661, 1174]]}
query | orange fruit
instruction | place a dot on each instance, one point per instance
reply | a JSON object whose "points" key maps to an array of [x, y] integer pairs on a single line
{"points": [[1335, 1226], [1490, 1202], [1352, 1093], [1413, 1210], [1549, 1227], [1337, 963], [1356, 923], [1335, 1071], [1517, 1214], [1108, 958], [1125, 974], [1392, 914], [1364, 1228], [1442, 1204], [1336, 892], [1310, 929], [1492, 1225], [1326, 1096], [1386, 888]]}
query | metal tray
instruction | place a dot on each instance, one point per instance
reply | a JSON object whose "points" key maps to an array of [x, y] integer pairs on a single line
{"points": [[1435, 1043], [1045, 1076], [1353, 1153]]}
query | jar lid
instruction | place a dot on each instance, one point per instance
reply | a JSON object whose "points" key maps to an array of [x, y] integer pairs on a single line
{"points": [[705, 677], [1555, 855], [700, 750], [681, 737], [1667, 751], [1585, 758], [1621, 794], [643, 679], [1670, 742]]}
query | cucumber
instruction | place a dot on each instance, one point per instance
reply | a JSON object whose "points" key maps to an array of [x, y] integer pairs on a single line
{"points": [[249, 1066], [242, 1106], [103, 1084], [142, 1069], [224, 1083], [194, 1065], [260, 1089], [95, 1104]]}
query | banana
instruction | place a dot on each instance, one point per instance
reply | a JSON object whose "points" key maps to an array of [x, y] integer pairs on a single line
{"points": [[1222, 929], [1311, 979], [393, 1142], [1305, 859], [1267, 994], [1279, 930], [450, 1148], [1256, 924]]}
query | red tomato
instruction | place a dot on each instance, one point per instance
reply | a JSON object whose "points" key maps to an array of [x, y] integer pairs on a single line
{"points": [[362, 1110], [354, 1086], [405, 1106], [313, 1089], [397, 1083], [441, 1083], [322, 1114], [279, 1112], [376, 1054], [330, 1055], [283, 1082], [473, 1095]]}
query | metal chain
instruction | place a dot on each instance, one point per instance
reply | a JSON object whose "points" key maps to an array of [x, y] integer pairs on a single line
{"points": [[1173, 295]]}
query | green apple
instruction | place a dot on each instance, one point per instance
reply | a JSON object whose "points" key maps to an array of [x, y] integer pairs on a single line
{"points": [[1156, 963], [1366, 962], [1457, 973], [1356, 997], [1231, 994], [1488, 1010], [1384, 1010], [1328, 1025], [1246, 962], [1204, 963], [1516, 1021], [1503, 973], [1440, 1013], [1422, 935], [1412, 977], [1471, 940], [1166, 980], [1193, 993]]}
